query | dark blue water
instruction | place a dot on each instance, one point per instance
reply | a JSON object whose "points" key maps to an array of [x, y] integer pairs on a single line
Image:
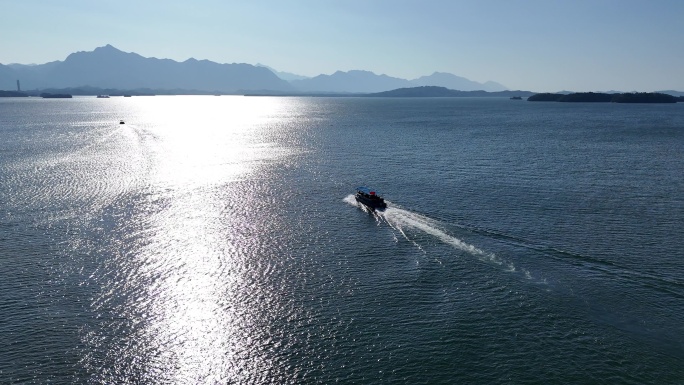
{"points": [[215, 240]]}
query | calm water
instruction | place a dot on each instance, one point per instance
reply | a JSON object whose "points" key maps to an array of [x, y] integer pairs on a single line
{"points": [[214, 240]]}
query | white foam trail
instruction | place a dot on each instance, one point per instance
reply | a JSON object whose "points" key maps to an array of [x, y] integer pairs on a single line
{"points": [[397, 218], [349, 199], [400, 219]]}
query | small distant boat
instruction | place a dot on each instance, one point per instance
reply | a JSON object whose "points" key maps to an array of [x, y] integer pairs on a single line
{"points": [[516, 97], [369, 198], [121, 122], [127, 96], [103, 96]]}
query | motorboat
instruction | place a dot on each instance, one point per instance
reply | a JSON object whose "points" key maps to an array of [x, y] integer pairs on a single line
{"points": [[121, 122], [103, 96], [369, 198]]}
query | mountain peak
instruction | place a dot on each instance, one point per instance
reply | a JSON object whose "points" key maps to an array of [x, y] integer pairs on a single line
{"points": [[109, 67], [107, 52], [454, 82], [107, 47]]}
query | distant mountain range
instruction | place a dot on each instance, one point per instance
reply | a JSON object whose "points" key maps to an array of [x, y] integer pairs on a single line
{"points": [[283, 75], [433, 92], [367, 82], [109, 68]]}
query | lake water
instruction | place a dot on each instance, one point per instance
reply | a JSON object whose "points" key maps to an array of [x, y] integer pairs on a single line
{"points": [[213, 240]]}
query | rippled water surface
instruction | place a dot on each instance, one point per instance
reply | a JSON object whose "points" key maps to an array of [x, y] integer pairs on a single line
{"points": [[214, 240]]}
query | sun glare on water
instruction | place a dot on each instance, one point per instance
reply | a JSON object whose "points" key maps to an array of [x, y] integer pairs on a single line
{"points": [[185, 274]]}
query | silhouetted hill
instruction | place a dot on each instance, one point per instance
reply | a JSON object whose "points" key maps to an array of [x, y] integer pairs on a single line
{"points": [[108, 67], [47, 95], [545, 97], [352, 81], [587, 97], [8, 79], [432, 91], [599, 97], [30, 75], [368, 82], [287, 76], [671, 92], [644, 97], [12, 94], [453, 82]]}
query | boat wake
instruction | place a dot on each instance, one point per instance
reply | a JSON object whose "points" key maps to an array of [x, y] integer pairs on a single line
{"points": [[404, 221]]}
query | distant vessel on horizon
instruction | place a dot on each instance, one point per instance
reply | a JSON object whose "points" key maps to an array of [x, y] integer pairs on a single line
{"points": [[103, 96]]}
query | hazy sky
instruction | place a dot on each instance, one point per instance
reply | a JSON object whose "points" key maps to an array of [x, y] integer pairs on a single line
{"points": [[537, 45]]}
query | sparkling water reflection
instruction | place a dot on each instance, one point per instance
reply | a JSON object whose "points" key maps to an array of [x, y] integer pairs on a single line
{"points": [[213, 240], [194, 238]]}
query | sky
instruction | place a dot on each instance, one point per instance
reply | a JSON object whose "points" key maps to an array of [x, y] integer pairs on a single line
{"points": [[536, 45]]}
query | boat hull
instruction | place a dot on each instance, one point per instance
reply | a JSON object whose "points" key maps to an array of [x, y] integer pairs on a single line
{"points": [[375, 204]]}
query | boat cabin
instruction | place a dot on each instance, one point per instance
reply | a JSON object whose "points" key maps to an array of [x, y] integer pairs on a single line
{"points": [[369, 197]]}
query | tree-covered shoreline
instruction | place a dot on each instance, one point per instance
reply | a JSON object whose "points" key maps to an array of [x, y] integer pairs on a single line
{"points": [[599, 97]]}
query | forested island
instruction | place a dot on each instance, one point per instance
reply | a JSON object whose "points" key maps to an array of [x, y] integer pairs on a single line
{"points": [[441, 92], [46, 95], [598, 97]]}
